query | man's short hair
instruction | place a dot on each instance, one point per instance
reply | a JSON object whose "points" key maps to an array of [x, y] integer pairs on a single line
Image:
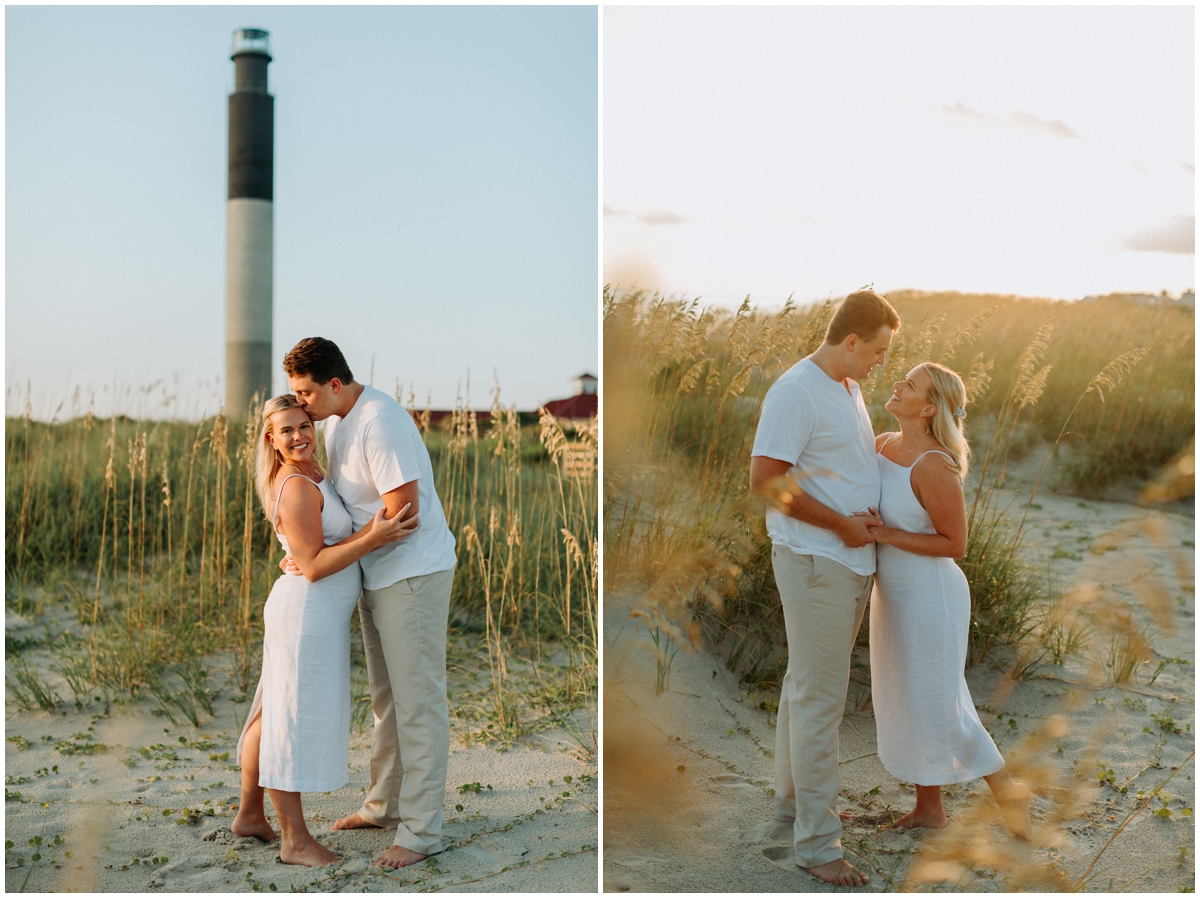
{"points": [[319, 359], [863, 313]]}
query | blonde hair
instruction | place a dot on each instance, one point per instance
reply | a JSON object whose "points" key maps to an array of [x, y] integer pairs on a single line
{"points": [[269, 462], [948, 395]]}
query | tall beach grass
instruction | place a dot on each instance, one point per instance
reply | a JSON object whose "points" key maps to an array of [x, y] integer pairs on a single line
{"points": [[1106, 387], [150, 533]]}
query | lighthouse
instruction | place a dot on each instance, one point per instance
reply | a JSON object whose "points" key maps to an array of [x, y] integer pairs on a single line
{"points": [[249, 225]]}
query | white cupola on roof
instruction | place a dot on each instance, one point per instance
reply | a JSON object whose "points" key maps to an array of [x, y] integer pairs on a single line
{"points": [[584, 384]]}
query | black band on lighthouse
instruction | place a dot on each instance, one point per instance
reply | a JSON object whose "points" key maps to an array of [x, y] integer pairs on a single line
{"points": [[251, 146]]}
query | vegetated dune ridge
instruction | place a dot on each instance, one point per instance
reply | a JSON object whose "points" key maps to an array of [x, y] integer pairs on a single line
{"points": [[689, 773], [152, 811]]}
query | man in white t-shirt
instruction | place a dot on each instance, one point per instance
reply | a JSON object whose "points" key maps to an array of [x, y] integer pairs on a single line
{"points": [[377, 458], [814, 459]]}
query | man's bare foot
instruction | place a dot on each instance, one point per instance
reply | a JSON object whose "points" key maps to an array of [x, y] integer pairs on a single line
{"points": [[309, 853], [253, 826], [353, 822], [838, 873], [398, 856], [1014, 806], [846, 815], [912, 820]]}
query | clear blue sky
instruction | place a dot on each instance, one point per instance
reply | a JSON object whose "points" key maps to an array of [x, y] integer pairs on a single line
{"points": [[435, 198]]}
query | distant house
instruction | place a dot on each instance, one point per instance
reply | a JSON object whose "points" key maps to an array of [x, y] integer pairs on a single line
{"points": [[579, 407], [435, 416], [584, 404], [1187, 299]]}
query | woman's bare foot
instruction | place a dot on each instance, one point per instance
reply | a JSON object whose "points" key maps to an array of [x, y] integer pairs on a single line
{"points": [[1014, 806], [308, 853], [398, 856], [353, 822], [838, 873], [253, 825], [929, 820]]}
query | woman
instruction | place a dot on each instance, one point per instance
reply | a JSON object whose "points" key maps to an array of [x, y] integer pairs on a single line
{"points": [[928, 731], [296, 738]]}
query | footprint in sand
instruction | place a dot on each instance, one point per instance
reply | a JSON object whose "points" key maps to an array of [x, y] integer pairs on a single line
{"points": [[782, 856], [769, 831], [732, 780], [225, 836], [187, 875], [497, 855]]}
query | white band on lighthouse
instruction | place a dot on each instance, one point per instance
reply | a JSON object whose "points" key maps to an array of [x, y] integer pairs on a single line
{"points": [[249, 236]]}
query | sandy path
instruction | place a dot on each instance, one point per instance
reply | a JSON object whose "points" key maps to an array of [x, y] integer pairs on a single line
{"points": [[152, 812], [689, 773]]}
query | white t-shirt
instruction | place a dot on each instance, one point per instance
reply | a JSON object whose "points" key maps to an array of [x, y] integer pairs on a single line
{"points": [[374, 449], [824, 432]]}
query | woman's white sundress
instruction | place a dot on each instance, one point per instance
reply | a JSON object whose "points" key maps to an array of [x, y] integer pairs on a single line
{"points": [[304, 691], [927, 728]]}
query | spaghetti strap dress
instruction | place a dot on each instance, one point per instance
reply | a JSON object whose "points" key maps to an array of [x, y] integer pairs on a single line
{"points": [[304, 690], [927, 728]]}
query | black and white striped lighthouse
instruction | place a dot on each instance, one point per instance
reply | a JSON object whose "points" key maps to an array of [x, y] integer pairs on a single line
{"points": [[249, 225]]}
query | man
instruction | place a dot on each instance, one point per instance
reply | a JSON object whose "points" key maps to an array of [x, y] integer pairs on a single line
{"points": [[377, 458], [815, 432]]}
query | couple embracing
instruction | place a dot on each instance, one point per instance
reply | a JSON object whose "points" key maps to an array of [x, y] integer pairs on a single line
{"points": [[887, 512], [353, 537]]}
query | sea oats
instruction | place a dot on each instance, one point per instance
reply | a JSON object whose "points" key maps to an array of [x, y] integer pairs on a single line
{"points": [[978, 379], [814, 332], [551, 435], [967, 334], [1111, 375], [1031, 387]]}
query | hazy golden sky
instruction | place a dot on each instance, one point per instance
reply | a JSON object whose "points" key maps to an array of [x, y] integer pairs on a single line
{"points": [[772, 150]]}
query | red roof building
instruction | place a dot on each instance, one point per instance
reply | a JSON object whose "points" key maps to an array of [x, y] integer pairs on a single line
{"points": [[584, 404]]}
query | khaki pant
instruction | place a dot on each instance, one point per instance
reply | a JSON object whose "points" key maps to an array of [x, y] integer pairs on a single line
{"points": [[823, 605], [404, 634]]}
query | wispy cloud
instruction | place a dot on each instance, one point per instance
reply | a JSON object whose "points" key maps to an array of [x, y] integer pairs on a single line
{"points": [[654, 217], [963, 116], [1175, 235], [661, 217]]}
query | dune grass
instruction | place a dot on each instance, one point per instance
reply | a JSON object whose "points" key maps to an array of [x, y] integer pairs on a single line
{"points": [[1095, 381], [149, 531]]}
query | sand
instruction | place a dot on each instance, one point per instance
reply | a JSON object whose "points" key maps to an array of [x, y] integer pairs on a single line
{"points": [[152, 812], [688, 773]]}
